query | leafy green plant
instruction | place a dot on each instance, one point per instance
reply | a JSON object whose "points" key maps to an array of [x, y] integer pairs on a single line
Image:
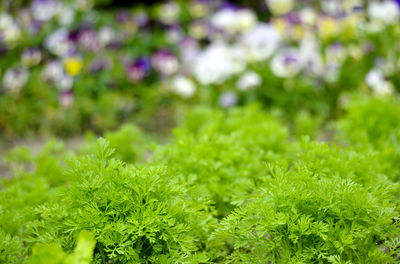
{"points": [[224, 154], [323, 208], [53, 253], [137, 215], [374, 124]]}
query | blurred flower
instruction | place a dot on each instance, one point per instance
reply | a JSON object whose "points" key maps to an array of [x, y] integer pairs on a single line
{"points": [[308, 16], [58, 42], [73, 65], [387, 12], [31, 57], [98, 65], [378, 83], [336, 53], [245, 20], [310, 55], [87, 39], [331, 72], [261, 42], [105, 36], [44, 10], [83, 5], [174, 33], [327, 27], [123, 16], [286, 63], [66, 98], [217, 63], [183, 86], [14, 79], [168, 12], [280, 7], [65, 83], [198, 29], [65, 15], [332, 7], [141, 19], [233, 21], [138, 69], [228, 99], [53, 71], [189, 50], [10, 32], [225, 20], [198, 8], [165, 62], [248, 81]]}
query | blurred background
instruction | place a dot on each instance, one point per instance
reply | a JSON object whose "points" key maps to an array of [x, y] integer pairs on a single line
{"points": [[69, 66]]}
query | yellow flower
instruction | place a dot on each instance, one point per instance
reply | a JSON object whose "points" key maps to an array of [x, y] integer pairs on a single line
{"points": [[328, 27], [280, 7], [73, 65], [297, 32], [280, 25]]}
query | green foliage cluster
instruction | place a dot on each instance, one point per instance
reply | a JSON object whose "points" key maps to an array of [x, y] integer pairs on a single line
{"points": [[231, 187], [224, 154], [328, 206], [53, 253], [373, 124]]}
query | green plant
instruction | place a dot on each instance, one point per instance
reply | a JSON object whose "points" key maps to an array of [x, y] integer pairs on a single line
{"points": [[138, 215], [53, 253], [373, 124], [222, 154], [325, 207]]}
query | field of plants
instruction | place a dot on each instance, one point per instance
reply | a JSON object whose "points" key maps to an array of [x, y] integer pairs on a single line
{"points": [[199, 131]]}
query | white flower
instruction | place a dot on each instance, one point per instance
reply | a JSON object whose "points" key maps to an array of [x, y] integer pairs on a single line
{"points": [[169, 12], [65, 83], [9, 29], [280, 7], [248, 81], [376, 80], [225, 19], [387, 12], [286, 63], [58, 42], [65, 15], [53, 71], [217, 63], [245, 20], [14, 79], [308, 16], [183, 86], [261, 42], [106, 35], [310, 55], [332, 7], [44, 10]]}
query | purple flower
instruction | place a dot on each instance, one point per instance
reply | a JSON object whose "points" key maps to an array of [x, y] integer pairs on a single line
{"points": [[87, 39], [98, 65], [141, 19], [293, 18], [123, 17], [66, 98], [138, 70], [228, 99], [165, 62]]}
